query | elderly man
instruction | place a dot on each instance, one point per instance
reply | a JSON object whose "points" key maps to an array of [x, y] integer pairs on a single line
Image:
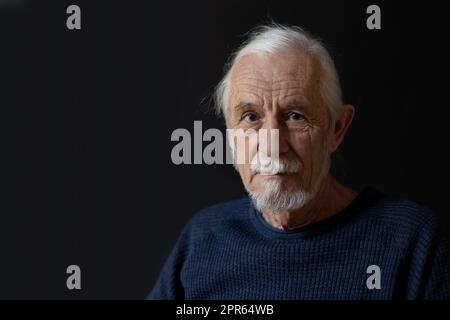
{"points": [[301, 234]]}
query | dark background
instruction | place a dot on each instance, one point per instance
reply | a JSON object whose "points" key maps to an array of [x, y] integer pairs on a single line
{"points": [[87, 117]]}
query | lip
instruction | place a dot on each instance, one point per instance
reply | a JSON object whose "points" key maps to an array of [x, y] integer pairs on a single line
{"points": [[272, 174]]}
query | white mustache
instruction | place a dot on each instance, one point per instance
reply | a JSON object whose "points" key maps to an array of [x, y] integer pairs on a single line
{"points": [[268, 165]]}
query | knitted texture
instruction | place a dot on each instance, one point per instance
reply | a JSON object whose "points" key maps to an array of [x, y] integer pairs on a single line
{"points": [[228, 251]]}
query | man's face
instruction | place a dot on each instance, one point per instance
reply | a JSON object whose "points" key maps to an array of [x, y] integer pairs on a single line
{"points": [[282, 92]]}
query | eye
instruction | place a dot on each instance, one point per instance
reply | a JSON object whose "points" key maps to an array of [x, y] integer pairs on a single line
{"points": [[295, 116], [250, 117]]}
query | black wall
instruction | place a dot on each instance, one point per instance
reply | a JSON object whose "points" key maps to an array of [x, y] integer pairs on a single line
{"points": [[87, 118]]}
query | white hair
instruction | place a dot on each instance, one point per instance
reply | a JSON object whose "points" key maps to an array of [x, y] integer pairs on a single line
{"points": [[273, 38]]}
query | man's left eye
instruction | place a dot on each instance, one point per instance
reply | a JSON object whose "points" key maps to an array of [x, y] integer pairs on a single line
{"points": [[295, 116]]}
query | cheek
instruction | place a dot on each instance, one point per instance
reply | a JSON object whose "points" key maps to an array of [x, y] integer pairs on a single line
{"points": [[300, 143], [251, 182], [245, 172], [244, 146], [308, 147]]}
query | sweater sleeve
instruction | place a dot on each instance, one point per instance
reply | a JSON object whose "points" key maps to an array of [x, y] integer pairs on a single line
{"points": [[429, 272], [168, 286], [437, 286]]}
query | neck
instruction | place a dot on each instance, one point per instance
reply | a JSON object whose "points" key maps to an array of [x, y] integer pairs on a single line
{"points": [[330, 199]]}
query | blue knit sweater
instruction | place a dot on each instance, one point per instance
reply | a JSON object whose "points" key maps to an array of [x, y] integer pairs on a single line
{"points": [[378, 247]]}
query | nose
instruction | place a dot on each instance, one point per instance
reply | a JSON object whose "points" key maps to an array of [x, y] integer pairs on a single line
{"points": [[273, 136]]}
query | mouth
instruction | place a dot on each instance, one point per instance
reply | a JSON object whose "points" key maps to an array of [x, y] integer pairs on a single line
{"points": [[270, 174]]}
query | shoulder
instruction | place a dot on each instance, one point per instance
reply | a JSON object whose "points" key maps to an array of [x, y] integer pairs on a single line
{"points": [[404, 218], [210, 219]]}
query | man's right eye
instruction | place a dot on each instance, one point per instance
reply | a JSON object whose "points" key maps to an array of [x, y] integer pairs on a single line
{"points": [[250, 117]]}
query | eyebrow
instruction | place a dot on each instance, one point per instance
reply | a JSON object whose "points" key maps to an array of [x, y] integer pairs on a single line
{"points": [[243, 107], [295, 106]]}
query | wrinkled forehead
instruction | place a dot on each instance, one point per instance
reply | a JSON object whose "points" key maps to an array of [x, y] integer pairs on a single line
{"points": [[275, 71]]}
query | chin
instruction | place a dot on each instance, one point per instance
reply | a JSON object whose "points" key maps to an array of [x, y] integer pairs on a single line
{"points": [[275, 195], [281, 202]]}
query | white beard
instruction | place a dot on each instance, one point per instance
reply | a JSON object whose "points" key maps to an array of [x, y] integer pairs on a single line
{"points": [[275, 199]]}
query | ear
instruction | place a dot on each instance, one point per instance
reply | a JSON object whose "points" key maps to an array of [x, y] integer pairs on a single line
{"points": [[341, 126]]}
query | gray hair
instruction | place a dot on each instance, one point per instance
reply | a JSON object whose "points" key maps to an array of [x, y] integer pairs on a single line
{"points": [[273, 38]]}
